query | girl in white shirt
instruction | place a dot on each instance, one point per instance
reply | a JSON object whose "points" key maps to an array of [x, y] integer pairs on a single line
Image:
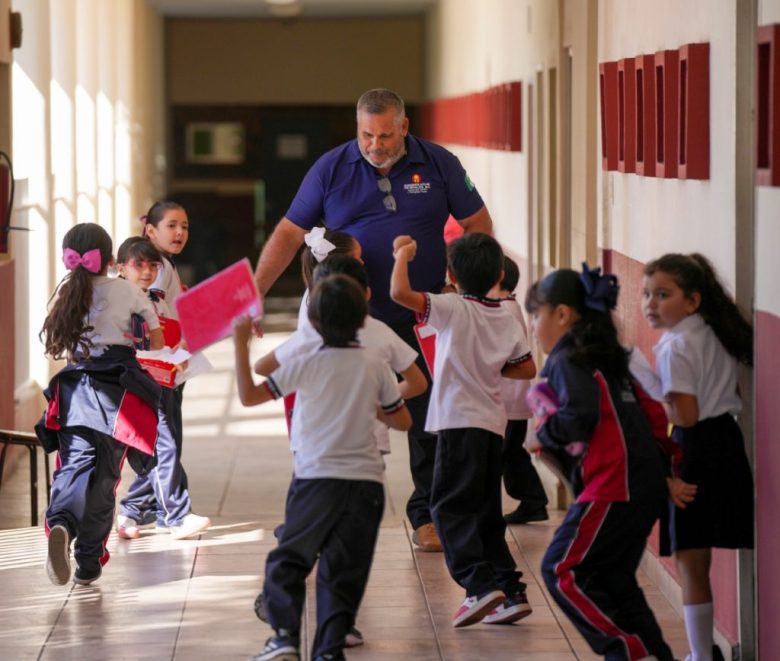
{"points": [[102, 406], [697, 359]]}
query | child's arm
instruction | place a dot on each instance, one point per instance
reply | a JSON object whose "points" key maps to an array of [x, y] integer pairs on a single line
{"points": [[414, 382], [404, 251], [524, 370], [249, 393], [682, 409], [156, 339], [399, 419], [266, 364]]}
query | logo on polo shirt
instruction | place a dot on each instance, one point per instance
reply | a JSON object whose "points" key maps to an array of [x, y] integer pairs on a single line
{"points": [[417, 185], [469, 184]]}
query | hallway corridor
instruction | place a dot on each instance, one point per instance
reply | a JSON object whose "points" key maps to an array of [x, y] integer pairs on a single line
{"points": [[187, 600]]}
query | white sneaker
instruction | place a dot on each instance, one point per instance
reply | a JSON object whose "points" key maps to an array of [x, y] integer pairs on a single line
{"points": [[127, 528], [190, 525]]}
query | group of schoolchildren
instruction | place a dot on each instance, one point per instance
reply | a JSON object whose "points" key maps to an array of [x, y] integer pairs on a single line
{"points": [[103, 408], [351, 374]]}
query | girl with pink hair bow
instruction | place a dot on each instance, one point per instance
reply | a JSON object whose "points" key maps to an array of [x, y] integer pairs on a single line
{"points": [[102, 407]]}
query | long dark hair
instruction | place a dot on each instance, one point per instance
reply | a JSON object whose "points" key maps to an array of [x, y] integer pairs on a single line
{"points": [[694, 273], [337, 309], [344, 244], [65, 329], [594, 334]]}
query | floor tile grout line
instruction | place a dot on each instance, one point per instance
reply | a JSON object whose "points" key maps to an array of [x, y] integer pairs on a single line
{"points": [[424, 591], [56, 621], [184, 604], [540, 583], [221, 434]]}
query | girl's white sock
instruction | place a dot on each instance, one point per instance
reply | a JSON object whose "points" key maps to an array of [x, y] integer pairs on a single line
{"points": [[698, 626]]}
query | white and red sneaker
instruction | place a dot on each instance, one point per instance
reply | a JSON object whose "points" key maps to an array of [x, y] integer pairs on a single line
{"points": [[473, 609], [513, 608]]}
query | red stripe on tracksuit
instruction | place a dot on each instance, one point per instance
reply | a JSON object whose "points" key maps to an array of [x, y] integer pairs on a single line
{"points": [[587, 531], [106, 555], [605, 464]]}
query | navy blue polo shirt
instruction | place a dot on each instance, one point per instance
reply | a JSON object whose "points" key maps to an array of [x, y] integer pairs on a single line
{"points": [[428, 184]]}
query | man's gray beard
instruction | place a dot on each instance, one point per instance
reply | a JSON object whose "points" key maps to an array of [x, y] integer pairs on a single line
{"points": [[386, 165]]}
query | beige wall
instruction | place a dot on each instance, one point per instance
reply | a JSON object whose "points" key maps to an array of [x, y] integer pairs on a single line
{"points": [[469, 49], [644, 217], [86, 136], [292, 62]]}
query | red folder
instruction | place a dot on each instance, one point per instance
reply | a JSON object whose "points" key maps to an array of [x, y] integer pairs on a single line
{"points": [[206, 311], [426, 338], [171, 331]]}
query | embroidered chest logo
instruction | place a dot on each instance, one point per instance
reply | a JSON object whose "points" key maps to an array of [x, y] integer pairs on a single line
{"points": [[418, 185]]}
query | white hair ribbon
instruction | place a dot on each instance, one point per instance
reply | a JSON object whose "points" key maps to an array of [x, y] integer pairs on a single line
{"points": [[320, 247]]}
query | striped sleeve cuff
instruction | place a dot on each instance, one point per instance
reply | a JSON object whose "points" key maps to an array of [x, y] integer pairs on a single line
{"points": [[521, 359], [276, 393], [395, 406]]}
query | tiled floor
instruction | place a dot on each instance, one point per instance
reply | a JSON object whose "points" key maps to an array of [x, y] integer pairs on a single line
{"points": [[162, 599]]}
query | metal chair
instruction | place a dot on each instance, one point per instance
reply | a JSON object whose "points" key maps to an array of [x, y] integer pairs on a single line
{"points": [[31, 442]]}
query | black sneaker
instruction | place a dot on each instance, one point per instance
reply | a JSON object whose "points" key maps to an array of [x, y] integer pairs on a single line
{"points": [[260, 610], [331, 656], [521, 516], [513, 608], [58, 557], [86, 576], [282, 647]]}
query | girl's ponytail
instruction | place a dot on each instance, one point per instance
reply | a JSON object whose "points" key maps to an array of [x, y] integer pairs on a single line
{"points": [[66, 327], [722, 314]]}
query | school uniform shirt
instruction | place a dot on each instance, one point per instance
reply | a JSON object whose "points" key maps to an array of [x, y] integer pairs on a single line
{"points": [[476, 338], [375, 336], [691, 360], [336, 402], [513, 391], [114, 301], [168, 282], [617, 421], [641, 370]]}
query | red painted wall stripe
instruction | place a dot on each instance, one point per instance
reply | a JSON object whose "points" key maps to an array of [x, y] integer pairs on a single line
{"points": [[490, 119]]}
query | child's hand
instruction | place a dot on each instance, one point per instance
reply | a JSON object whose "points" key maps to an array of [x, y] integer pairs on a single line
{"points": [[532, 444], [404, 246], [242, 329], [681, 492]]}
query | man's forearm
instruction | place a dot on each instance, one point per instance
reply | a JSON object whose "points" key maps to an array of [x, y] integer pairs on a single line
{"points": [[479, 222], [277, 253]]}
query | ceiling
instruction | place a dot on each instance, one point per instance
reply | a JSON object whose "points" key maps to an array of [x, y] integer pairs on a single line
{"points": [[311, 8]]}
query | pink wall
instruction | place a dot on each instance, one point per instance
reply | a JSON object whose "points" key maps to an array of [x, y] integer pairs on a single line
{"points": [[635, 331], [767, 463]]}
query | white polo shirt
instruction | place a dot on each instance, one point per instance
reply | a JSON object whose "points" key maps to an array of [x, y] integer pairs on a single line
{"points": [[168, 281], [513, 391], [337, 394], [691, 360], [114, 300], [476, 337], [376, 336]]}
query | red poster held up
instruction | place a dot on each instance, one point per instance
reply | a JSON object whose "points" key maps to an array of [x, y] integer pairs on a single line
{"points": [[206, 311]]}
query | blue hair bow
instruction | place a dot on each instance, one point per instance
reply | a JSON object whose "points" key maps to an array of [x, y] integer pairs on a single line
{"points": [[601, 291]]}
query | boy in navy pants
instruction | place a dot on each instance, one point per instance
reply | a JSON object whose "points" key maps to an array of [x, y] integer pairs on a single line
{"points": [[479, 341]]}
